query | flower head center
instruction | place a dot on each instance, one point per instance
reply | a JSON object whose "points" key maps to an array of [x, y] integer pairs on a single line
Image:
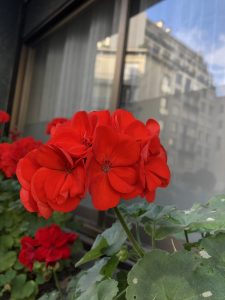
{"points": [[106, 166], [86, 142]]}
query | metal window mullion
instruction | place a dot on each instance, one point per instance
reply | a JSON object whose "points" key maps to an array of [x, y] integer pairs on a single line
{"points": [[120, 54]]}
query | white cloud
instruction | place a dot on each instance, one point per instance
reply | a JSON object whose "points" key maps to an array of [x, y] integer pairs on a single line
{"points": [[213, 52], [194, 39]]}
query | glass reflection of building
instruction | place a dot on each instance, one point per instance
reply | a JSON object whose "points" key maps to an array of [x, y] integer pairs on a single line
{"points": [[169, 81]]}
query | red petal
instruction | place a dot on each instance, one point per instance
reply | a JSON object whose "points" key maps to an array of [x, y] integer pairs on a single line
{"points": [[150, 196], [153, 127], [47, 157], [26, 168], [69, 139], [123, 179], [120, 149], [103, 195], [67, 205], [126, 152], [38, 192], [43, 237], [44, 209], [100, 118], [81, 122], [54, 181], [105, 141], [138, 131], [28, 201], [157, 173], [122, 119]]}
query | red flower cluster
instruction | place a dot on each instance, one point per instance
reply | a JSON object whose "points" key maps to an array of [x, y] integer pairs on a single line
{"points": [[115, 156], [49, 245], [4, 117], [10, 154]]}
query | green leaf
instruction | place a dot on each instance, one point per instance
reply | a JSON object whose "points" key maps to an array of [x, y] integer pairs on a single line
{"points": [[86, 279], [111, 265], [54, 295], [134, 210], [104, 290], [96, 251], [156, 213], [6, 242], [7, 260], [92, 275], [107, 243], [200, 218], [213, 249], [18, 266], [182, 275], [7, 277], [22, 289]]}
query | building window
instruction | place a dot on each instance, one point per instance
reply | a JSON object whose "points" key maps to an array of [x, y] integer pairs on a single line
{"points": [[166, 84], [187, 85], [179, 79]]}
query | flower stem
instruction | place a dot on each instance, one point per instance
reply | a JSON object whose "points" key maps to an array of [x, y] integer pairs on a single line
{"points": [[138, 233], [130, 236], [58, 285], [120, 294], [186, 236], [153, 235]]}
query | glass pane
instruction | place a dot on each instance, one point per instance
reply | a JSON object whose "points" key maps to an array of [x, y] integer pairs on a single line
{"points": [[175, 72], [70, 72]]}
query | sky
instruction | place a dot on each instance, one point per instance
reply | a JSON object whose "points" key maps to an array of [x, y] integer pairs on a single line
{"points": [[200, 24]]}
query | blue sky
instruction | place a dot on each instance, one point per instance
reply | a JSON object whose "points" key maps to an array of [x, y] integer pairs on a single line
{"points": [[200, 24]]}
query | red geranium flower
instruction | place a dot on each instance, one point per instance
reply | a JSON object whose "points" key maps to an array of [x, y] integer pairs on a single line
{"points": [[50, 245], [51, 126], [4, 148], [76, 136], [51, 181], [154, 171], [123, 158], [54, 244], [10, 154], [111, 169], [27, 253], [4, 117]]}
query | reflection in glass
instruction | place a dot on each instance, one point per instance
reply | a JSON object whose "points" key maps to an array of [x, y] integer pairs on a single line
{"points": [[71, 70], [175, 72]]}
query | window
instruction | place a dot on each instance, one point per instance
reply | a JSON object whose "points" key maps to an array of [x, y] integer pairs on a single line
{"points": [[179, 79], [73, 67], [166, 84], [171, 71], [187, 85], [191, 75]]}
